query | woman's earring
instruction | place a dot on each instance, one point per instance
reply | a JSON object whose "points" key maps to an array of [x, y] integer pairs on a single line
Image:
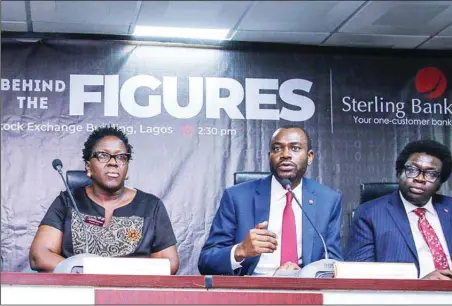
{"points": [[88, 174], [127, 177]]}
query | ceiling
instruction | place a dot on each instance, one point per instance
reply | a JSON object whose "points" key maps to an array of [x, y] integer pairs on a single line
{"points": [[383, 24]]}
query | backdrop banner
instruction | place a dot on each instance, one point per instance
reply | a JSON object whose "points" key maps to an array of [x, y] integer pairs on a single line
{"points": [[196, 115]]}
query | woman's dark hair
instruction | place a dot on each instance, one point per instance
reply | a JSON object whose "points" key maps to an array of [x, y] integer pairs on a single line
{"points": [[100, 133], [429, 147]]}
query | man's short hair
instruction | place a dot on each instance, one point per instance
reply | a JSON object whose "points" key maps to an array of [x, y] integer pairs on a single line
{"points": [[429, 147], [286, 127]]}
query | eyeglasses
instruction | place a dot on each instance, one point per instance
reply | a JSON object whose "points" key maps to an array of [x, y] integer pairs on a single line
{"points": [[429, 175], [105, 157]]}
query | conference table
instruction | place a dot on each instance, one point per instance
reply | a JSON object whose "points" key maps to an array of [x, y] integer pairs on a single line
{"points": [[48, 288]]}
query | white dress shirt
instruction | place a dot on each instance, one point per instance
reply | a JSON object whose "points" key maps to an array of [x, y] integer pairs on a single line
{"points": [[269, 262], [426, 264]]}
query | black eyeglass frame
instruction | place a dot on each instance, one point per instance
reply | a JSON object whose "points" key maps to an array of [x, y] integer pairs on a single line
{"points": [[425, 173], [96, 155]]}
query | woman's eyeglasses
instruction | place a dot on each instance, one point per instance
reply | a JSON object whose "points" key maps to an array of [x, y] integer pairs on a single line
{"points": [[104, 157]]}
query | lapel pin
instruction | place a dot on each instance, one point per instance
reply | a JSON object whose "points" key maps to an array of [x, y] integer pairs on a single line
{"points": [[310, 202], [446, 210]]}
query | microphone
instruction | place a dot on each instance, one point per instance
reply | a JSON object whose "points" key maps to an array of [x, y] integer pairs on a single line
{"points": [[319, 269], [288, 186], [72, 264], [57, 165]]}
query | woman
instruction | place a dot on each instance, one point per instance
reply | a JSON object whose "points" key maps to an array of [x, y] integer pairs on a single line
{"points": [[120, 221]]}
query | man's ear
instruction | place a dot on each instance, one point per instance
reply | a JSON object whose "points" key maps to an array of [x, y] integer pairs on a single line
{"points": [[439, 185], [310, 157]]}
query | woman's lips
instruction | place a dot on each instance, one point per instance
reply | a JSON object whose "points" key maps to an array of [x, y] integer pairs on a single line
{"points": [[112, 174]]}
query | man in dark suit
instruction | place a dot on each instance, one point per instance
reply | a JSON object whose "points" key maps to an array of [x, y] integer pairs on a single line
{"points": [[413, 224], [258, 228]]}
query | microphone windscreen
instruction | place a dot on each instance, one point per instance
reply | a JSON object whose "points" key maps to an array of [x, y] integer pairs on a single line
{"points": [[286, 183], [57, 164]]}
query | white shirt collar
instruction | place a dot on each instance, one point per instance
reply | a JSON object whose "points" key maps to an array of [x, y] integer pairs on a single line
{"points": [[409, 207], [278, 192]]}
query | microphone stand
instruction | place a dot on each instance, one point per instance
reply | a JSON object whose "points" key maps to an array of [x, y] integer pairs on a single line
{"points": [[323, 268], [85, 231], [73, 264]]}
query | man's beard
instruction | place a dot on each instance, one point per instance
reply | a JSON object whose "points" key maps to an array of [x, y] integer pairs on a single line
{"points": [[291, 176]]}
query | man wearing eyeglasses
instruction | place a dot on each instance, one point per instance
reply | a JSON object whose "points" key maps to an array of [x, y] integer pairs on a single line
{"points": [[413, 224]]}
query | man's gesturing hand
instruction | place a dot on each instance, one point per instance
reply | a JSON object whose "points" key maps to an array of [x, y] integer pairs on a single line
{"points": [[258, 241]]}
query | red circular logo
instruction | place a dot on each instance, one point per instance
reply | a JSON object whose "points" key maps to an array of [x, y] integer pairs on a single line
{"points": [[431, 82]]}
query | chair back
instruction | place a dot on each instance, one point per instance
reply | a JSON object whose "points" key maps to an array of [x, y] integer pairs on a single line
{"points": [[77, 178], [246, 176], [371, 191]]}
